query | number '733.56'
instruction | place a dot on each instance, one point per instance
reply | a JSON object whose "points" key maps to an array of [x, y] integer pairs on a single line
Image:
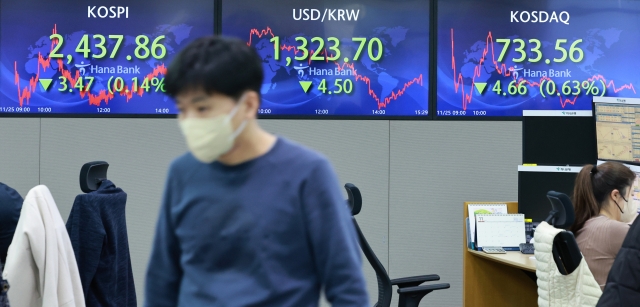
{"points": [[575, 53]]}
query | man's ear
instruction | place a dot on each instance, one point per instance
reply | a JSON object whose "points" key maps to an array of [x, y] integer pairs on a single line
{"points": [[252, 104]]}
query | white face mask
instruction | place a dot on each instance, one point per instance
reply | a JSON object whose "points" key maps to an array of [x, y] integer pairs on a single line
{"points": [[630, 211], [210, 138]]}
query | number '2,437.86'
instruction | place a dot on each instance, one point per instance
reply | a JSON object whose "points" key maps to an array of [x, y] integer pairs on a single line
{"points": [[156, 50]]}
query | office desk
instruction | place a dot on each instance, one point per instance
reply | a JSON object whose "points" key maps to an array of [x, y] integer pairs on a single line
{"points": [[517, 260], [495, 280]]}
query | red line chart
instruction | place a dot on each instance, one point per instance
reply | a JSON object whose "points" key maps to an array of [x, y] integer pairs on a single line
{"points": [[381, 102], [502, 69], [44, 63]]}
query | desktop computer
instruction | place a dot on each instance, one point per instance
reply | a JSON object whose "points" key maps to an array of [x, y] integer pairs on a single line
{"points": [[617, 124], [558, 138], [535, 181], [555, 145]]}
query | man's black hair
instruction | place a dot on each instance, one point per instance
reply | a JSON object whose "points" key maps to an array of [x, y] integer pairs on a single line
{"points": [[215, 64]]}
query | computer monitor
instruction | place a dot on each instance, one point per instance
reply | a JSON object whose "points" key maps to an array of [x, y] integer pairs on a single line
{"points": [[617, 122], [558, 138], [535, 181]]}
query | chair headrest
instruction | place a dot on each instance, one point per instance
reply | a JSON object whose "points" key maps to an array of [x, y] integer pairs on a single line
{"points": [[355, 198], [561, 203], [92, 174]]}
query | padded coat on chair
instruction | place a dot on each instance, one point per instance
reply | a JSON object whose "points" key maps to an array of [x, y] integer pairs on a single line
{"points": [[567, 280], [574, 288], [410, 289]]}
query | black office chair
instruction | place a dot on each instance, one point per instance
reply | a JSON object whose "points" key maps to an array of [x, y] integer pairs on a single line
{"points": [[561, 214], [410, 289], [566, 252]]}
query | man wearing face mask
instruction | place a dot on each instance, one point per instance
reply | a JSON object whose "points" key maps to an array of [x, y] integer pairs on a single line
{"points": [[248, 218], [603, 208]]}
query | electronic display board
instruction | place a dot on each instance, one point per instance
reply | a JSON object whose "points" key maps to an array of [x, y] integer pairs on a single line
{"points": [[97, 58], [497, 58], [337, 58]]}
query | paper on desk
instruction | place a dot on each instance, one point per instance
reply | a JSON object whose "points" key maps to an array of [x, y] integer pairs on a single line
{"points": [[504, 230], [483, 209]]}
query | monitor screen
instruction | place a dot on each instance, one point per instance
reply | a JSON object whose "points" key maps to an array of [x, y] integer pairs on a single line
{"points": [[535, 182], [559, 140], [499, 57], [94, 58], [618, 129], [337, 58]]}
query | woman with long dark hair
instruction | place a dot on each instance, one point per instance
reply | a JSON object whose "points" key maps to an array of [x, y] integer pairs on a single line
{"points": [[604, 208]]}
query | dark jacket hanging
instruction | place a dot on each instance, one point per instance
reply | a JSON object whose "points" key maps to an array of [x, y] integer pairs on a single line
{"points": [[10, 206], [623, 282], [98, 231]]}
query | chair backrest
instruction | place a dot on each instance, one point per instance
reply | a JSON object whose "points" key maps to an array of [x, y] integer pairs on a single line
{"points": [[566, 252], [385, 290]]}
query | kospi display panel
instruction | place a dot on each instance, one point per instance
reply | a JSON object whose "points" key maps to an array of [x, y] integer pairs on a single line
{"points": [[337, 58], [499, 57], [96, 58]]}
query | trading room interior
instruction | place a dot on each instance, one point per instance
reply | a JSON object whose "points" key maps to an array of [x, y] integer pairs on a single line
{"points": [[455, 129]]}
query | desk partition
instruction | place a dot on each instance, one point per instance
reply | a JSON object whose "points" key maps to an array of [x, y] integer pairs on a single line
{"points": [[497, 280]]}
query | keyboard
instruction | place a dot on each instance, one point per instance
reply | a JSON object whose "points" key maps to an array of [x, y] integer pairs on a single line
{"points": [[526, 248]]}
